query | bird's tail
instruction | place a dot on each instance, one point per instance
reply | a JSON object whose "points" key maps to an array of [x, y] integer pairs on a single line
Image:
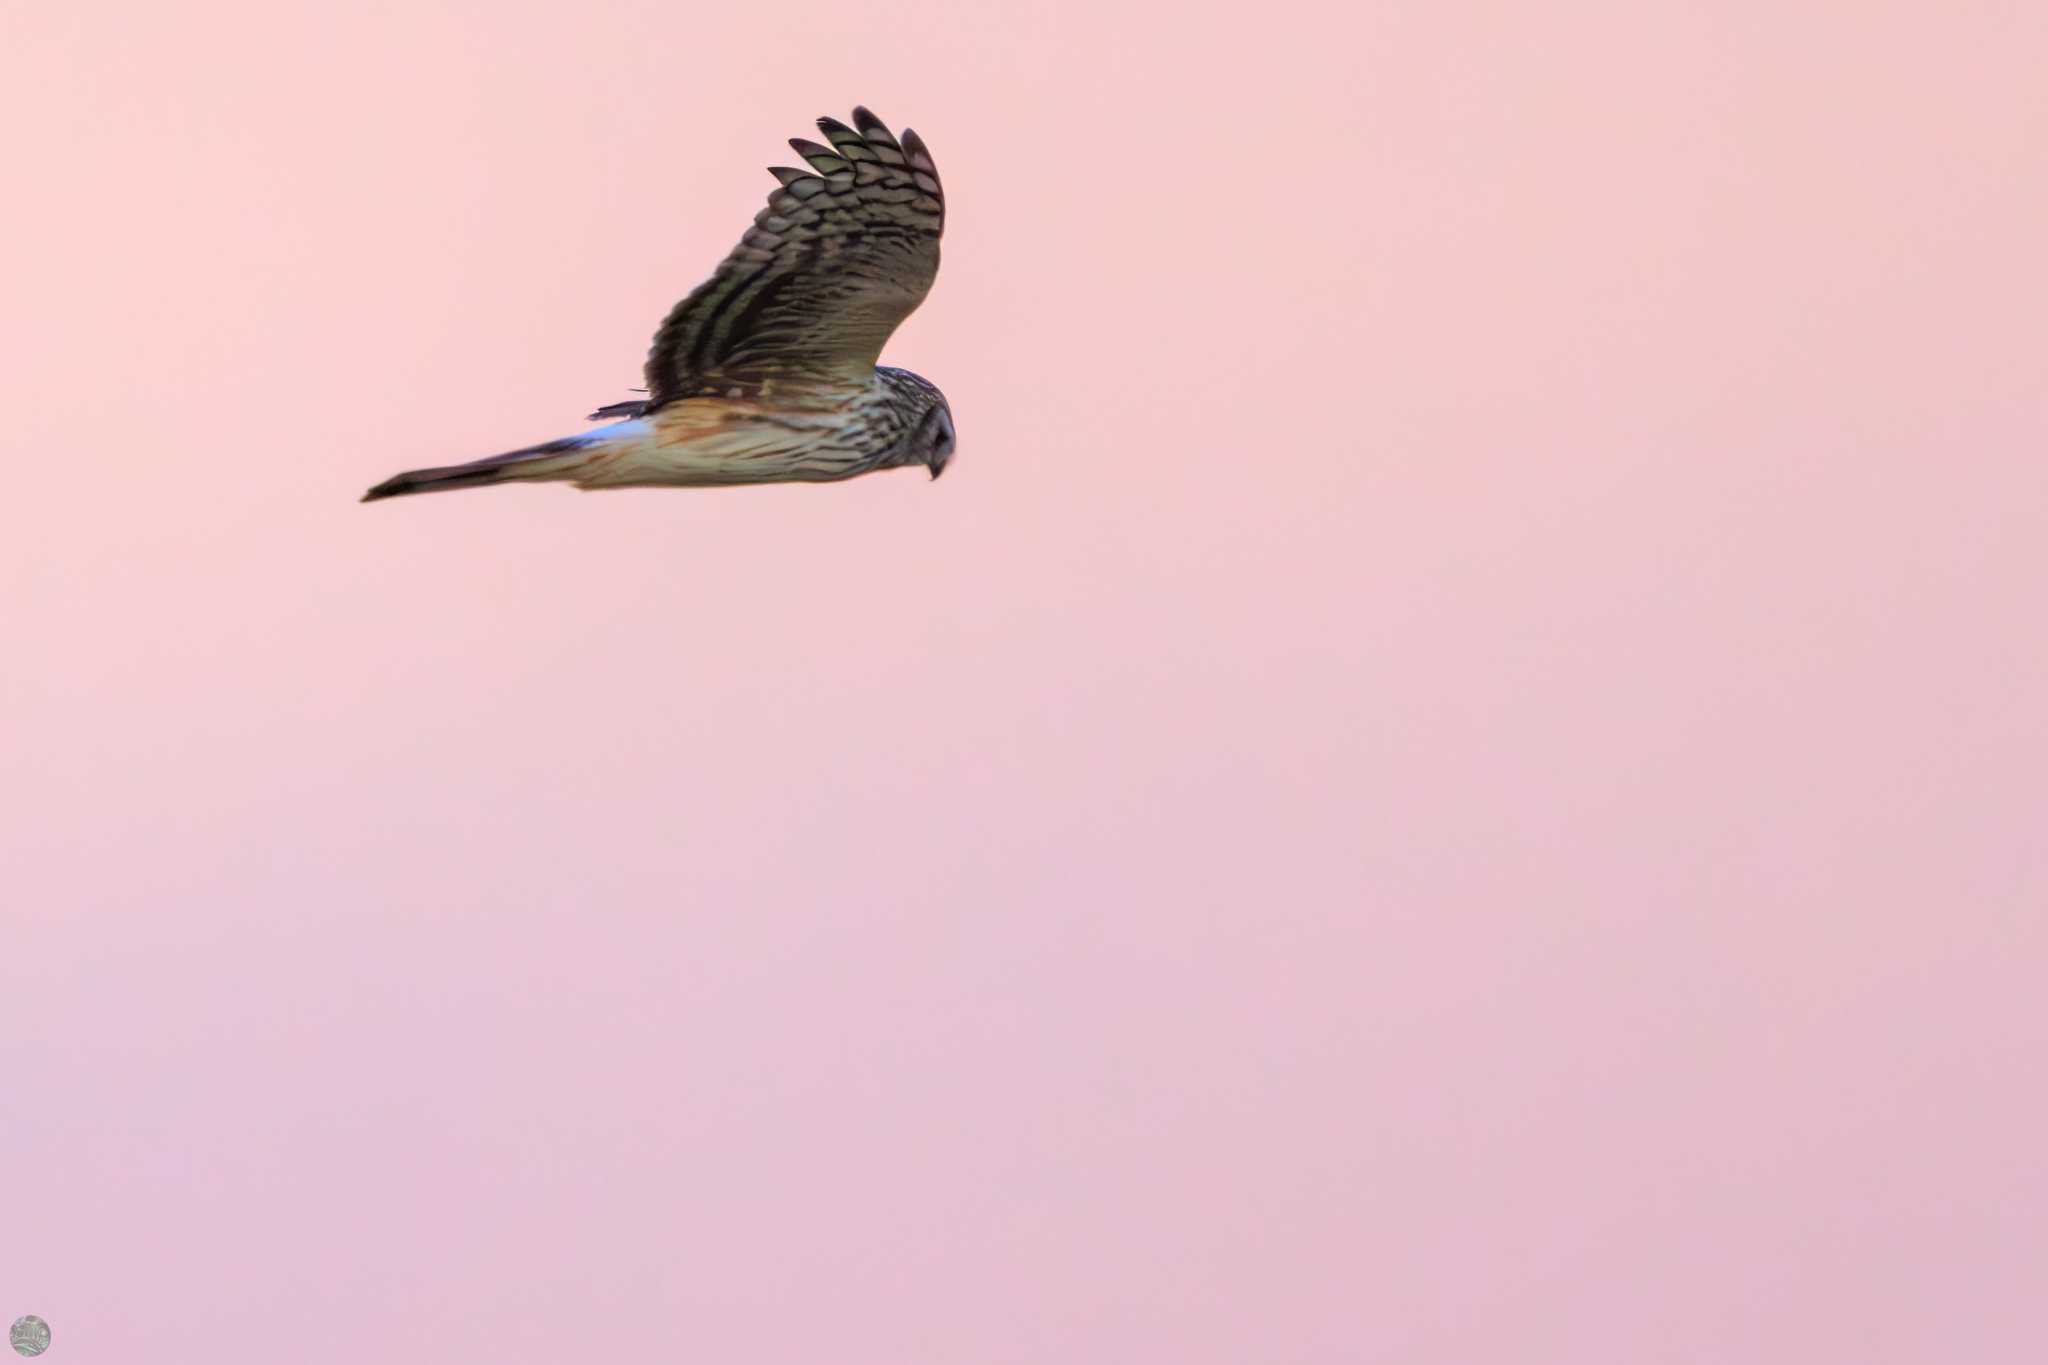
{"points": [[549, 460]]}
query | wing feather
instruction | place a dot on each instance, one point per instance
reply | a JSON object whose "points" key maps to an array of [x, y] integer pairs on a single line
{"points": [[840, 256]]}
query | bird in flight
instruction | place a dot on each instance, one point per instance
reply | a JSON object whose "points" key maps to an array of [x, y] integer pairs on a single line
{"points": [[766, 373]]}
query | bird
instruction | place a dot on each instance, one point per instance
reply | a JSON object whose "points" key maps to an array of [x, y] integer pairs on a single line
{"points": [[767, 372]]}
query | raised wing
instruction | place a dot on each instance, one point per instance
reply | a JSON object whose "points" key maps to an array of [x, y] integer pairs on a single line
{"points": [[840, 256]]}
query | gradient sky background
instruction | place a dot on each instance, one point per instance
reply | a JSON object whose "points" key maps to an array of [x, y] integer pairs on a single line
{"points": [[1456, 772]]}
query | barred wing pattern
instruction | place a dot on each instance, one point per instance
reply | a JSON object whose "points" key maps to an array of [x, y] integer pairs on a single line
{"points": [[841, 255]]}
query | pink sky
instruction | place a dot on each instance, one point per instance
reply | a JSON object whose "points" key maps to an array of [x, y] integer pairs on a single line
{"points": [[1456, 772]]}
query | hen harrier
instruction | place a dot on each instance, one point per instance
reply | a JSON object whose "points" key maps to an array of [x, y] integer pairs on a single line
{"points": [[766, 373]]}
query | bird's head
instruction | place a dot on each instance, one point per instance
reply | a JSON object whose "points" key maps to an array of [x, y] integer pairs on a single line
{"points": [[928, 436], [933, 443]]}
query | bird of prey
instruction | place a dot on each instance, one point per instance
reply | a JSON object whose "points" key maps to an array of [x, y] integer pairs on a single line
{"points": [[766, 373]]}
